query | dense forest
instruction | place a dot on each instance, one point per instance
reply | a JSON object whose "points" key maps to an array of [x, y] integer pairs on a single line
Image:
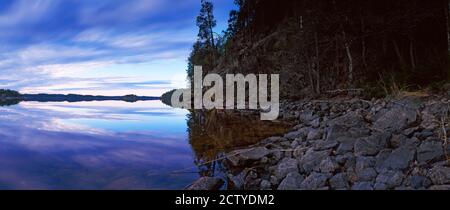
{"points": [[322, 46]]}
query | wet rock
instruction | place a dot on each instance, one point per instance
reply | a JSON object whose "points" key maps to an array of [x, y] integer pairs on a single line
{"points": [[207, 183], [429, 150], [440, 175], [311, 159], [371, 145], [286, 166], [314, 181], [291, 182], [339, 181], [244, 156], [391, 179], [362, 186], [400, 158]]}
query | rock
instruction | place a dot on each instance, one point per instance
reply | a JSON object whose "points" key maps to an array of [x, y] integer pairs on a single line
{"points": [[400, 158], [207, 183], [314, 181], [440, 175], [307, 116], [265, 185], [423, 135], [274, 180], [351, 119], [372, 144], [367, 174], [380, 186], [395, 119], [291, 182], [293, 135], [391, 179], [339, 181], [418, 182], [325, 145], [316, 123], [328, 165], [311, 159], [362, 186], [244, 156], [401, 140], [286, 166], [238, 181], [364, 163], [429, 151], [314, 134], [410, 131], [344, 148], [440, 187]]}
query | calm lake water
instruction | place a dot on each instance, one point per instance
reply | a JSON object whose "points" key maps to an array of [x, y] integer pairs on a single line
{"points": [[117, 145], [94, 145]]}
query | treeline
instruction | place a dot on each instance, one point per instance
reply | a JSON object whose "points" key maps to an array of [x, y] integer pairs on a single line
{"points": [[5, 93], [324, 45]]}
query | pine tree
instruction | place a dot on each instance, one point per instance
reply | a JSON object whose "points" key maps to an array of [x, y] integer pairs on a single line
{"points": [[206, 22]]}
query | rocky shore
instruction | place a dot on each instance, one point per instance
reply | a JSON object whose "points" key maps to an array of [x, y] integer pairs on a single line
{"points": [[349, 144]]}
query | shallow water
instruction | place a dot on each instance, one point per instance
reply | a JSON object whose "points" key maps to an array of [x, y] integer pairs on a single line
{"points": [[117, 145]]}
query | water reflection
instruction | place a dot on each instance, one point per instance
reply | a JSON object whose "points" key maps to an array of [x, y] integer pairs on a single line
{"points": [[94, 145]]}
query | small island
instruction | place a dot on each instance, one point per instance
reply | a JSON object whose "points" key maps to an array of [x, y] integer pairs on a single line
{"points": [[10, 97]]}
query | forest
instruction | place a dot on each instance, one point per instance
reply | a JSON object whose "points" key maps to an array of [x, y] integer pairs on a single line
{"points": [[323, 46]]}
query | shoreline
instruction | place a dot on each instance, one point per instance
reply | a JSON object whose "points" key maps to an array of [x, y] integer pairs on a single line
{"points": [[353, 144]]}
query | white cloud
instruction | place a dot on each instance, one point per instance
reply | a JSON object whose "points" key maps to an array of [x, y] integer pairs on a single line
{"points": [[26, 11]]}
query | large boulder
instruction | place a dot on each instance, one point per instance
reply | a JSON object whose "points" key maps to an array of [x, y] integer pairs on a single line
{"points": [[286, 166], [245, 156], [429, 151], [400, 158], [291, 182], [396, 118], [312, 159], [371, 145]]}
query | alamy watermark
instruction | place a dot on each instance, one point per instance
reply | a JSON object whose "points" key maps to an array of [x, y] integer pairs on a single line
{"points": [[236, 86]]}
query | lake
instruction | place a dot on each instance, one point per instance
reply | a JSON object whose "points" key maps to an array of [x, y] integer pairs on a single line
{"points": [[115, 144]]}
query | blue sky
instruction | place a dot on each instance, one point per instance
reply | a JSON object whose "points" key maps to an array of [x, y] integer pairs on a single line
{"points": [[108, 47]]}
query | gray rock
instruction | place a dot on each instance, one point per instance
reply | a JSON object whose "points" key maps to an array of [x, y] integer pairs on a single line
{"points": [[314, 181], [339, 181], [311, 159], [440, 175], [293, 135], [380, 186], [325, 145], [364, 163], [440, 187], [328, 165], [291, 182], [238, 181], [351, 119], [274, 180], [395, 119], [345, 147], [400, 158], [316, 123], [424, 135], [244, 156], [307, 116], [367, 175], [265, 185], [418, 182], [372, 144], [207, 183], [362, 186], [429, 150], [391, 179], [401, 140], [314, 134], [286, 166]]}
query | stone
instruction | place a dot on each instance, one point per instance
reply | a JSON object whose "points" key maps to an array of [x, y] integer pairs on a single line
{"points": [[395, 119], [316, 123], [440, 187], [367, 174], [429, 151], [400, 158], [274, 180], [391, 179], [364, 163], [314, 134], [423, 135], [344, 148], [286, 166], [371, 145], [244, 156], [339, 181], [238, 181], [362, 186], [380, 186], [294, 135], [307, 116], [207, 183], [265, 185], [328, 165], [440, 175], [351, 119], [311, 159], [418, 182], [325, 145], [401, 140], [314, 181], [291, 182]]}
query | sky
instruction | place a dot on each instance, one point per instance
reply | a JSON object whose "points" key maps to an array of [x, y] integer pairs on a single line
{"points": [[102, 47]]}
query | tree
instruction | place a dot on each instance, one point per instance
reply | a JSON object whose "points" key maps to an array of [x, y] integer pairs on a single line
{"points": [[206, 22]]}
